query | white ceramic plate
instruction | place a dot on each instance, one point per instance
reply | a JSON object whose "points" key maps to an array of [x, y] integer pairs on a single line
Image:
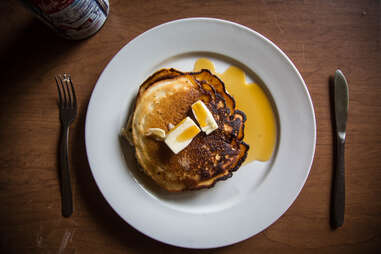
{"points": [[258, 193]]}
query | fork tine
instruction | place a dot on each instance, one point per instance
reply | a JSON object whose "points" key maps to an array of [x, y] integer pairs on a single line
{"points": [[59, 91], [69, 95], [73, 92], [64, 91]]}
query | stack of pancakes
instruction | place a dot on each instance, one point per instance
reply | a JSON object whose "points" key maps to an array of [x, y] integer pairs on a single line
{"points": [[163, 101]]}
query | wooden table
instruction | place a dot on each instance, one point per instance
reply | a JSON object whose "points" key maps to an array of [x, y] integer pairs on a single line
{"points": [[319, 37]]}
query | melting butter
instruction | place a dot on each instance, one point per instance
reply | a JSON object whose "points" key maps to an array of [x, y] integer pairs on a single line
{"points": [[188, 133], [204, 117], [181, 135], [156, 133], [260, 126]]}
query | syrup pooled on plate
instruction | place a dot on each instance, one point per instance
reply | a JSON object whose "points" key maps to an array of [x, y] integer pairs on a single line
{"points": [[260, 126]]}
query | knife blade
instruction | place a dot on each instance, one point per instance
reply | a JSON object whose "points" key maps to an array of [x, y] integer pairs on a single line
{"points": [[341, 100], [341, 104]]}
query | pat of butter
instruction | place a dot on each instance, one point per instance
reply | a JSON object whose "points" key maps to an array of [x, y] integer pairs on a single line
{"points": [[204, 117], [156, 133], [181, 135]]}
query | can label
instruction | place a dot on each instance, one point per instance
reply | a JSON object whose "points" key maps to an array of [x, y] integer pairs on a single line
{"points": [[72, 19]]}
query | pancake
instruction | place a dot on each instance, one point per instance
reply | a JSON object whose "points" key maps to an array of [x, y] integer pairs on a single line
{"points": [[165, 99]]}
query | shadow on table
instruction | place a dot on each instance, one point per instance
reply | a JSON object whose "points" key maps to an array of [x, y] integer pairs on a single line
{"points": [[34, 49], [26, 55]]}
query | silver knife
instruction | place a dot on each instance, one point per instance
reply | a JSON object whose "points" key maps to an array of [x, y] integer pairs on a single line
{"points": [[341, 100]]}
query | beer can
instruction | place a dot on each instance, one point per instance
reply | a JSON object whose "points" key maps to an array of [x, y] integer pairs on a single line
{"points": [[71, 19]]}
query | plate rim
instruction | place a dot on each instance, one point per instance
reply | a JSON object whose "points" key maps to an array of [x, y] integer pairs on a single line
{"points": [[270, 43]]}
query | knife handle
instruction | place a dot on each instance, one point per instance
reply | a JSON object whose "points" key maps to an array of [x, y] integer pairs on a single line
{"points": [[338, 191]]}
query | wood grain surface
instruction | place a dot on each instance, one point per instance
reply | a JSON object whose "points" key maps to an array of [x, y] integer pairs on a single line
{"points": [[319, 37]]}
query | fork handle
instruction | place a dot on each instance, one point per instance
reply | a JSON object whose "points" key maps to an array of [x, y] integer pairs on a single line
{"points": [[67, 198], [338, 191]]}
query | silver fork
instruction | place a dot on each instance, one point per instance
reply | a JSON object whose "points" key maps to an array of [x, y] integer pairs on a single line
{"points": [[67, 103]]}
